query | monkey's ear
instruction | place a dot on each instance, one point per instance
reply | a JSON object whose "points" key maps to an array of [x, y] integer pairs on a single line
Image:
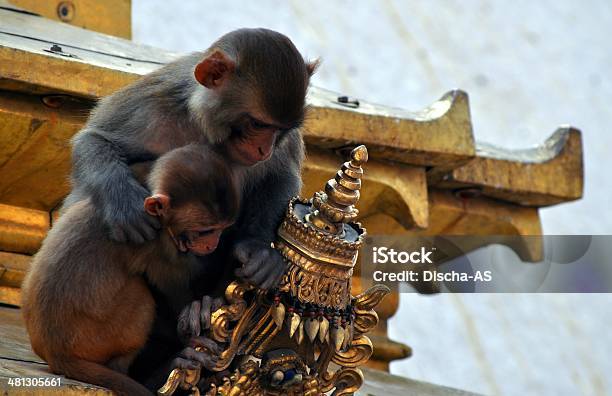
{"points": [[312, 66], [213, 70], [157, 205]]}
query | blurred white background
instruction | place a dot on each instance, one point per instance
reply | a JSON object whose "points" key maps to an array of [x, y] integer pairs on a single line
{"points": [[528, 67]]}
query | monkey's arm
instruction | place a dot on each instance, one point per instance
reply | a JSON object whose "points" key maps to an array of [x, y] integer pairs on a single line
{"points": [[264, 207], [100, 171]]}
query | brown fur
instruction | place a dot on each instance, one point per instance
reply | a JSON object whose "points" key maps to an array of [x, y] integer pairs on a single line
{"points": [[86, 303]]}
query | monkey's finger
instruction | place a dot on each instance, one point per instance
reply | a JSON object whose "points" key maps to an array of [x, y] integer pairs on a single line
{"points": [[207, 343], [189, 322], [243, 273], [250, 269], [182, 326], [259, 277], [204, 359], [217, 303], [205, 312], [238, 272], [187, 364], [209, 362], [255, 264], [242, 252], [194, 318]]}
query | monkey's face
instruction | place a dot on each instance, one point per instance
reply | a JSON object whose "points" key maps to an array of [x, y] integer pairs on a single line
{"points": [[258, 81], [197, 230], [252, 139], [200, 241], [193, 227]]}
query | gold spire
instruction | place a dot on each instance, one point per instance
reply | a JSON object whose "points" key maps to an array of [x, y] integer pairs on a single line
{"points": [[335, 207]]}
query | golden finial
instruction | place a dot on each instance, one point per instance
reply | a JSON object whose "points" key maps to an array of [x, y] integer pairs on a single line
{"points": [[330, 210]]}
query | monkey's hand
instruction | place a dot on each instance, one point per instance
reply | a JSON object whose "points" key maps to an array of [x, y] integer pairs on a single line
{"points": [[192, 359], [261, 265], [126, 218], [196, 316]]}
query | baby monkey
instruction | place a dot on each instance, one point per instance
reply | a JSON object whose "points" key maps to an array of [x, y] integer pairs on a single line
{"points": [[86, 303]]}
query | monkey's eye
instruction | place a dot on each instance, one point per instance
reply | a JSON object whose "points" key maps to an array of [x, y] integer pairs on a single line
{"points": [[236, 131], [205, 232], [255, 124]]}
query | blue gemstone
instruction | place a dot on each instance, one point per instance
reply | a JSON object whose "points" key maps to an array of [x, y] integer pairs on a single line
{"points": [[289, 374]]}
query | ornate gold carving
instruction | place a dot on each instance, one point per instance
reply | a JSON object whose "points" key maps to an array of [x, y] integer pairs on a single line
{"points": [[221, 318], [347, 381], [282, 342], [244, 381], [363, 307], [186, 379], [359, 352]]}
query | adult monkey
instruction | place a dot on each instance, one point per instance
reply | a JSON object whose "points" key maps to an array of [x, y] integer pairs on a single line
{"points": [[245, 97]]}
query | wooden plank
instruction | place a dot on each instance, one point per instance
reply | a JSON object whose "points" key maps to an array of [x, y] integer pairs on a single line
{"points": [[22, 230], [14, 342], [112, 17]]}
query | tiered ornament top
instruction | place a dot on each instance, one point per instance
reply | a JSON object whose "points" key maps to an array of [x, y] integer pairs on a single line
{"points": [[336, 206]]}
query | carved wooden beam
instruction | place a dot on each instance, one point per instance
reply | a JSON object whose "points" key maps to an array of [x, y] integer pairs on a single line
{"points": [[546, 175]]}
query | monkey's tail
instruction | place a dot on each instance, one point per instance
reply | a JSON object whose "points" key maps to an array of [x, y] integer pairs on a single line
{"points": [[98, 374]]}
